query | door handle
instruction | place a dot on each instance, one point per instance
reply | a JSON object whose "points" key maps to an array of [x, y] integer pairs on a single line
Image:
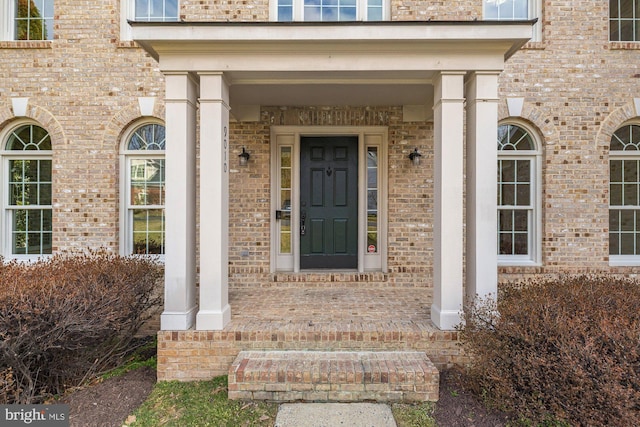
{"points": [[303, 217]]}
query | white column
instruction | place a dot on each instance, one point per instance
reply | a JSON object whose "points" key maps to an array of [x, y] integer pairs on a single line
{"points": [[180, 204], [482, 157], [448, 119], [214, 312]]}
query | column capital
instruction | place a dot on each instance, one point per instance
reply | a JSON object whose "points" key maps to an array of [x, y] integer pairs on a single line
{"points": [[449, 85], [214, 87]]}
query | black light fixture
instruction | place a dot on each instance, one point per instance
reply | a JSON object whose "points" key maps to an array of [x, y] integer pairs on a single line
{"points": [[415, 157], [244, 157]]}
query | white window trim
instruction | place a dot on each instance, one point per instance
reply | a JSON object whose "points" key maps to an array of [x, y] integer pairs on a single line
{"points": [[534, 258], [126, 225], [7, 22], [298, 10], [369, 136], [127, 13], [535, 11], [5, 217], [127, 10], [622, 260]]}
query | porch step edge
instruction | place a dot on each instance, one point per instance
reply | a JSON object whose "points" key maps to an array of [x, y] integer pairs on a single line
{"points": [[333, 376]]}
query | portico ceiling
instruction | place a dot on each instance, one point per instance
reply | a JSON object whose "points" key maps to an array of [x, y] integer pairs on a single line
{"points": [[358, 63]]}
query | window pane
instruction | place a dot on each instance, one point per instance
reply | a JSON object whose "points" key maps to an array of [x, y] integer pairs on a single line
{"points": [[505, 245], [156, 10], [521, 244], [616, 194], [627, 138], [506, 9], [523, 196], [505, 220], [285, 178], [507, 170], [614, 220], [626, 30], [372, 200], [627, 220], [29, 138], [630, 195], [147, 181], [148, 137], [285, 13], [31, 230], [614, 30], [613, 8], [148, 231], [615, 170], [627, 244], [614, 244], [521, 220], [508, 195]]}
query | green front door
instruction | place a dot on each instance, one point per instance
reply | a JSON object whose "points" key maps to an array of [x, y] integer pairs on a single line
{"points": [[329, 202]]}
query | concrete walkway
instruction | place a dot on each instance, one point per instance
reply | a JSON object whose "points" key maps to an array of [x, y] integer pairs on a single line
{"points": [[334, 415]]}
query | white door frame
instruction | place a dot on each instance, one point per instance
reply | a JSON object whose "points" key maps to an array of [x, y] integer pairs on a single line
{"points": [[368, 136]]}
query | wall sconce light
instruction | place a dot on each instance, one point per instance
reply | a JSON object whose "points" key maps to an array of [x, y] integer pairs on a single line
{"points": [[244, 157], [415, 157]]}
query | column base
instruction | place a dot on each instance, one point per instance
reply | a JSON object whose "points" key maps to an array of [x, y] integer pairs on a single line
{"points": [[178, 320], [445, 320], [209, 320]]}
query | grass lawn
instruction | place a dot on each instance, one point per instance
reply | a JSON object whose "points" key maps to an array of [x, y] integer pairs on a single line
{"points": [[205, 403], [200, 404]]}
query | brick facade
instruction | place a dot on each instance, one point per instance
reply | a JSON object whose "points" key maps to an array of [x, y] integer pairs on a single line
{"points": [[83, 87]]}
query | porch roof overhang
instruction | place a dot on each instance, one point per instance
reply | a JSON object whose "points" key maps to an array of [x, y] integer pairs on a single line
{"points": [[354, 63]]}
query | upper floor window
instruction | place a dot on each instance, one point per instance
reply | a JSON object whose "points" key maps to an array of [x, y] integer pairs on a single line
{"points": [[624, 193], [513, 10], [330, 10], [518, 195], [27, 191], [506, 9], [624, 20], [156, 10], [26, 19], [143, 221]]}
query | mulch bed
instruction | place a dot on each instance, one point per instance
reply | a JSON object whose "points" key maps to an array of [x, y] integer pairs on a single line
{"points": [[458, 407], [108, 403]]}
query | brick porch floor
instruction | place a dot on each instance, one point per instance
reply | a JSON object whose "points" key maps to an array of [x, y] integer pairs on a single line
{"points": [[310, 317]]}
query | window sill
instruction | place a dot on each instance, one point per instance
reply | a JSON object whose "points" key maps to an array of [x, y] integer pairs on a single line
{"points": [[25, 44], [624, 45], [628, 262]]}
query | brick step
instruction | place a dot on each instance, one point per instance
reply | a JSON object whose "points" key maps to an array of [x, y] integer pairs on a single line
{"points": [[333, 376]]}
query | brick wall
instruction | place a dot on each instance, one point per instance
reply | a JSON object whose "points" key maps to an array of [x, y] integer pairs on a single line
{"points": [[577, 89]]}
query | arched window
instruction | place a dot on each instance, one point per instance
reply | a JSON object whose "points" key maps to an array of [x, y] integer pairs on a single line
{"points": [[624, 193], [27, 185], [518, 195], [142, 213]]}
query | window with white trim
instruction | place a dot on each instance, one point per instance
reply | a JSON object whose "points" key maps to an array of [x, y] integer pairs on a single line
{"points": [[26, 20], [624, 193], [518, 195], [27, 191], [146, 11], [515, 10], [143, 210], [329, 10], [155, 10], [624, 20]]}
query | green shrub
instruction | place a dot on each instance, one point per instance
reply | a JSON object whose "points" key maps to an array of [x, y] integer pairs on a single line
{"points": [[68, 317], [565, 349]]}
